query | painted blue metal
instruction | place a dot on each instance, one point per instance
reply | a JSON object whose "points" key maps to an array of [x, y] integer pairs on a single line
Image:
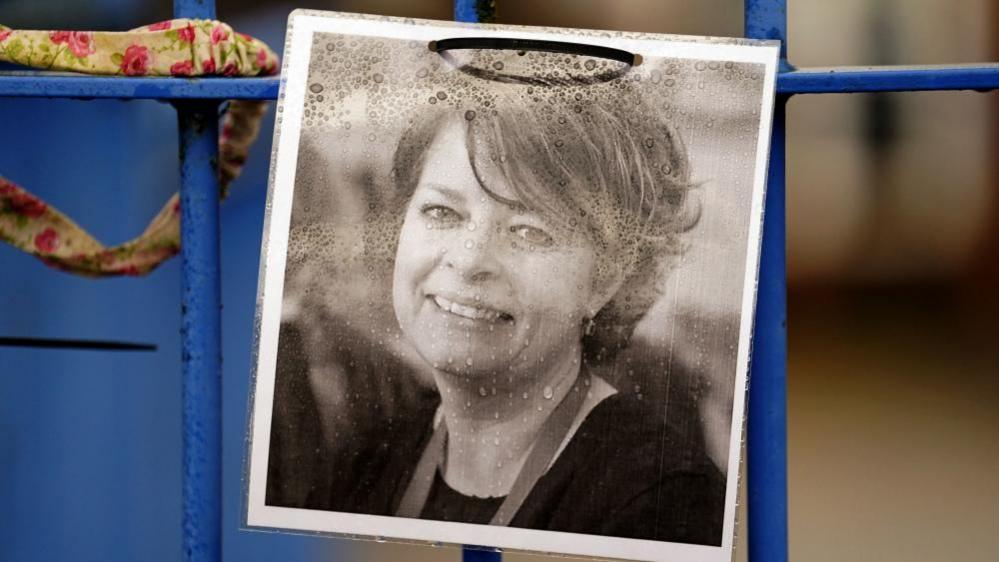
{"points": [[475, 11], [766, 445], [62, 85], [195, 9], [803, 81], [766, 448], [767, 19], [201, 332], [474, 555], [889, 79], [201, 321]]}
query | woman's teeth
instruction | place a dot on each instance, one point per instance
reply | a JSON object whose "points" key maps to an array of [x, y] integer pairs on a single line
{"points": [[471, 312]]}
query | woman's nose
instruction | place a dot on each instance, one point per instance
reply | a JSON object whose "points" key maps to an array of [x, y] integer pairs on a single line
{"points": [[474, 256]]}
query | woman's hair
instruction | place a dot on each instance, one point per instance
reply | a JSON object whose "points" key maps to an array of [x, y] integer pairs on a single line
{"points": [[614, 171]]}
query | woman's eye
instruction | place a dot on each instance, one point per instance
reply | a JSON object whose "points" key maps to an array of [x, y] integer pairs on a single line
{"points": [[533, 236], [440, 214]]}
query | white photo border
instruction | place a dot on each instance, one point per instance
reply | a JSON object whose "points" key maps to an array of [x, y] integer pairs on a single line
{"points": [[302, 25]]}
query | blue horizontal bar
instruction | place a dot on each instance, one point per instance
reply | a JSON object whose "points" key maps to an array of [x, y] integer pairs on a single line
{"points": [[64, 85], [845, 79], [849, 79]]}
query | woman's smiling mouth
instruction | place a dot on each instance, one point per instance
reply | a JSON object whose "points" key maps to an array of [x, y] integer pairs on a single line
{"points": [[470, 312]]}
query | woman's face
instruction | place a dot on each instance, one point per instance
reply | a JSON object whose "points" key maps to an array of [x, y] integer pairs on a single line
{"points": [[481, 287]]}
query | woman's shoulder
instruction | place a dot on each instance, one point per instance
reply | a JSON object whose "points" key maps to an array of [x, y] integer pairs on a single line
{"points": [[630, 471], [632, 432]]}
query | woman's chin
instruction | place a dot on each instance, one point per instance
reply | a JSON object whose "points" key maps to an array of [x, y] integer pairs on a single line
{"points": [[458, 358]]}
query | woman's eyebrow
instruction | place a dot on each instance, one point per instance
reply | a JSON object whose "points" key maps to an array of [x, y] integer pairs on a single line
{"points": [[447, 192]]}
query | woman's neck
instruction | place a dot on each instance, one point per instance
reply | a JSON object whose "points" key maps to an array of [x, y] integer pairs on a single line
{"points": [[493, 421]]}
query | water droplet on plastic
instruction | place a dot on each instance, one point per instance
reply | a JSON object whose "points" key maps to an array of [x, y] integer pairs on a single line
{"points": [[590, 64], [316, 88], [498, 65], [441, 95], [548, 393], [469, 115]]}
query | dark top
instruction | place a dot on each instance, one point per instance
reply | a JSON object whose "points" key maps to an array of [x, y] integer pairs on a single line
{"points": [[447, 504], [614, 478], [628, 471]]}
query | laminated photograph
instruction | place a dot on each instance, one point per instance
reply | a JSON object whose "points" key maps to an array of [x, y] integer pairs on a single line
{"points": [[507, 286]]}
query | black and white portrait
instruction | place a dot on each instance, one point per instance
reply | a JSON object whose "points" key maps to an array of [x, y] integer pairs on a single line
{"points": [[506, 291]]}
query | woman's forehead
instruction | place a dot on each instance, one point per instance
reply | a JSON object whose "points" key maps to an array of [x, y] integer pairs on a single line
{"points": [[452, 170]]}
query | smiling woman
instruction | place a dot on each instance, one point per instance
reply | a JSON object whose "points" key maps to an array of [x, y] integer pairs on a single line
{"points": [[486, 312], [531, 238]]}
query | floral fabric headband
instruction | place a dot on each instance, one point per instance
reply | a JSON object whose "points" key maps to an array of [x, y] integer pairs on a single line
{"points": [[179, 47]]}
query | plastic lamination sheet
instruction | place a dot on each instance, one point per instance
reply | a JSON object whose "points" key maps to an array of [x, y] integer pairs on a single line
{"points": [[507, 286]]}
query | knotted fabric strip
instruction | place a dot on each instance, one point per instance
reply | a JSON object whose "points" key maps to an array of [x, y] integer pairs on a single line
{"points": [[180, 47]]}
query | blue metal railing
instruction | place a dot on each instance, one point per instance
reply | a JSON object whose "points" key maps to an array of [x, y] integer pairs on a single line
{"points": [[766, 425], [201, 320], [197, 102], [801, 81]]}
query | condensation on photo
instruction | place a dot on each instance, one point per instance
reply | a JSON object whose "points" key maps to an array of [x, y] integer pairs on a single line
{"points": [[363, 93]]}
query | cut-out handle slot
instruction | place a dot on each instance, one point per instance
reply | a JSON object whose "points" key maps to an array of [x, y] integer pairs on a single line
{"points": [[509, 44]]}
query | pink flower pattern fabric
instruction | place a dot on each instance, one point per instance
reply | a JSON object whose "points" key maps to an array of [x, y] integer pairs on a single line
{"points": [[179, 47]]}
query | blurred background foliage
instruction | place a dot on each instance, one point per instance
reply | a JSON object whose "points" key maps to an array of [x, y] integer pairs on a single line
{"points": [[893, 240]]}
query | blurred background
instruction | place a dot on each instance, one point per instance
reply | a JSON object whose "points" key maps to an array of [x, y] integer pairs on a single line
{"points": [[893, 258]]}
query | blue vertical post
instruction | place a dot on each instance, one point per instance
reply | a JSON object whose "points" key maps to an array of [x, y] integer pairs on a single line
{"points": [[201, 322], [195, 9], [477, 11], [201, 332], [767, 439], [767, 19]]}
